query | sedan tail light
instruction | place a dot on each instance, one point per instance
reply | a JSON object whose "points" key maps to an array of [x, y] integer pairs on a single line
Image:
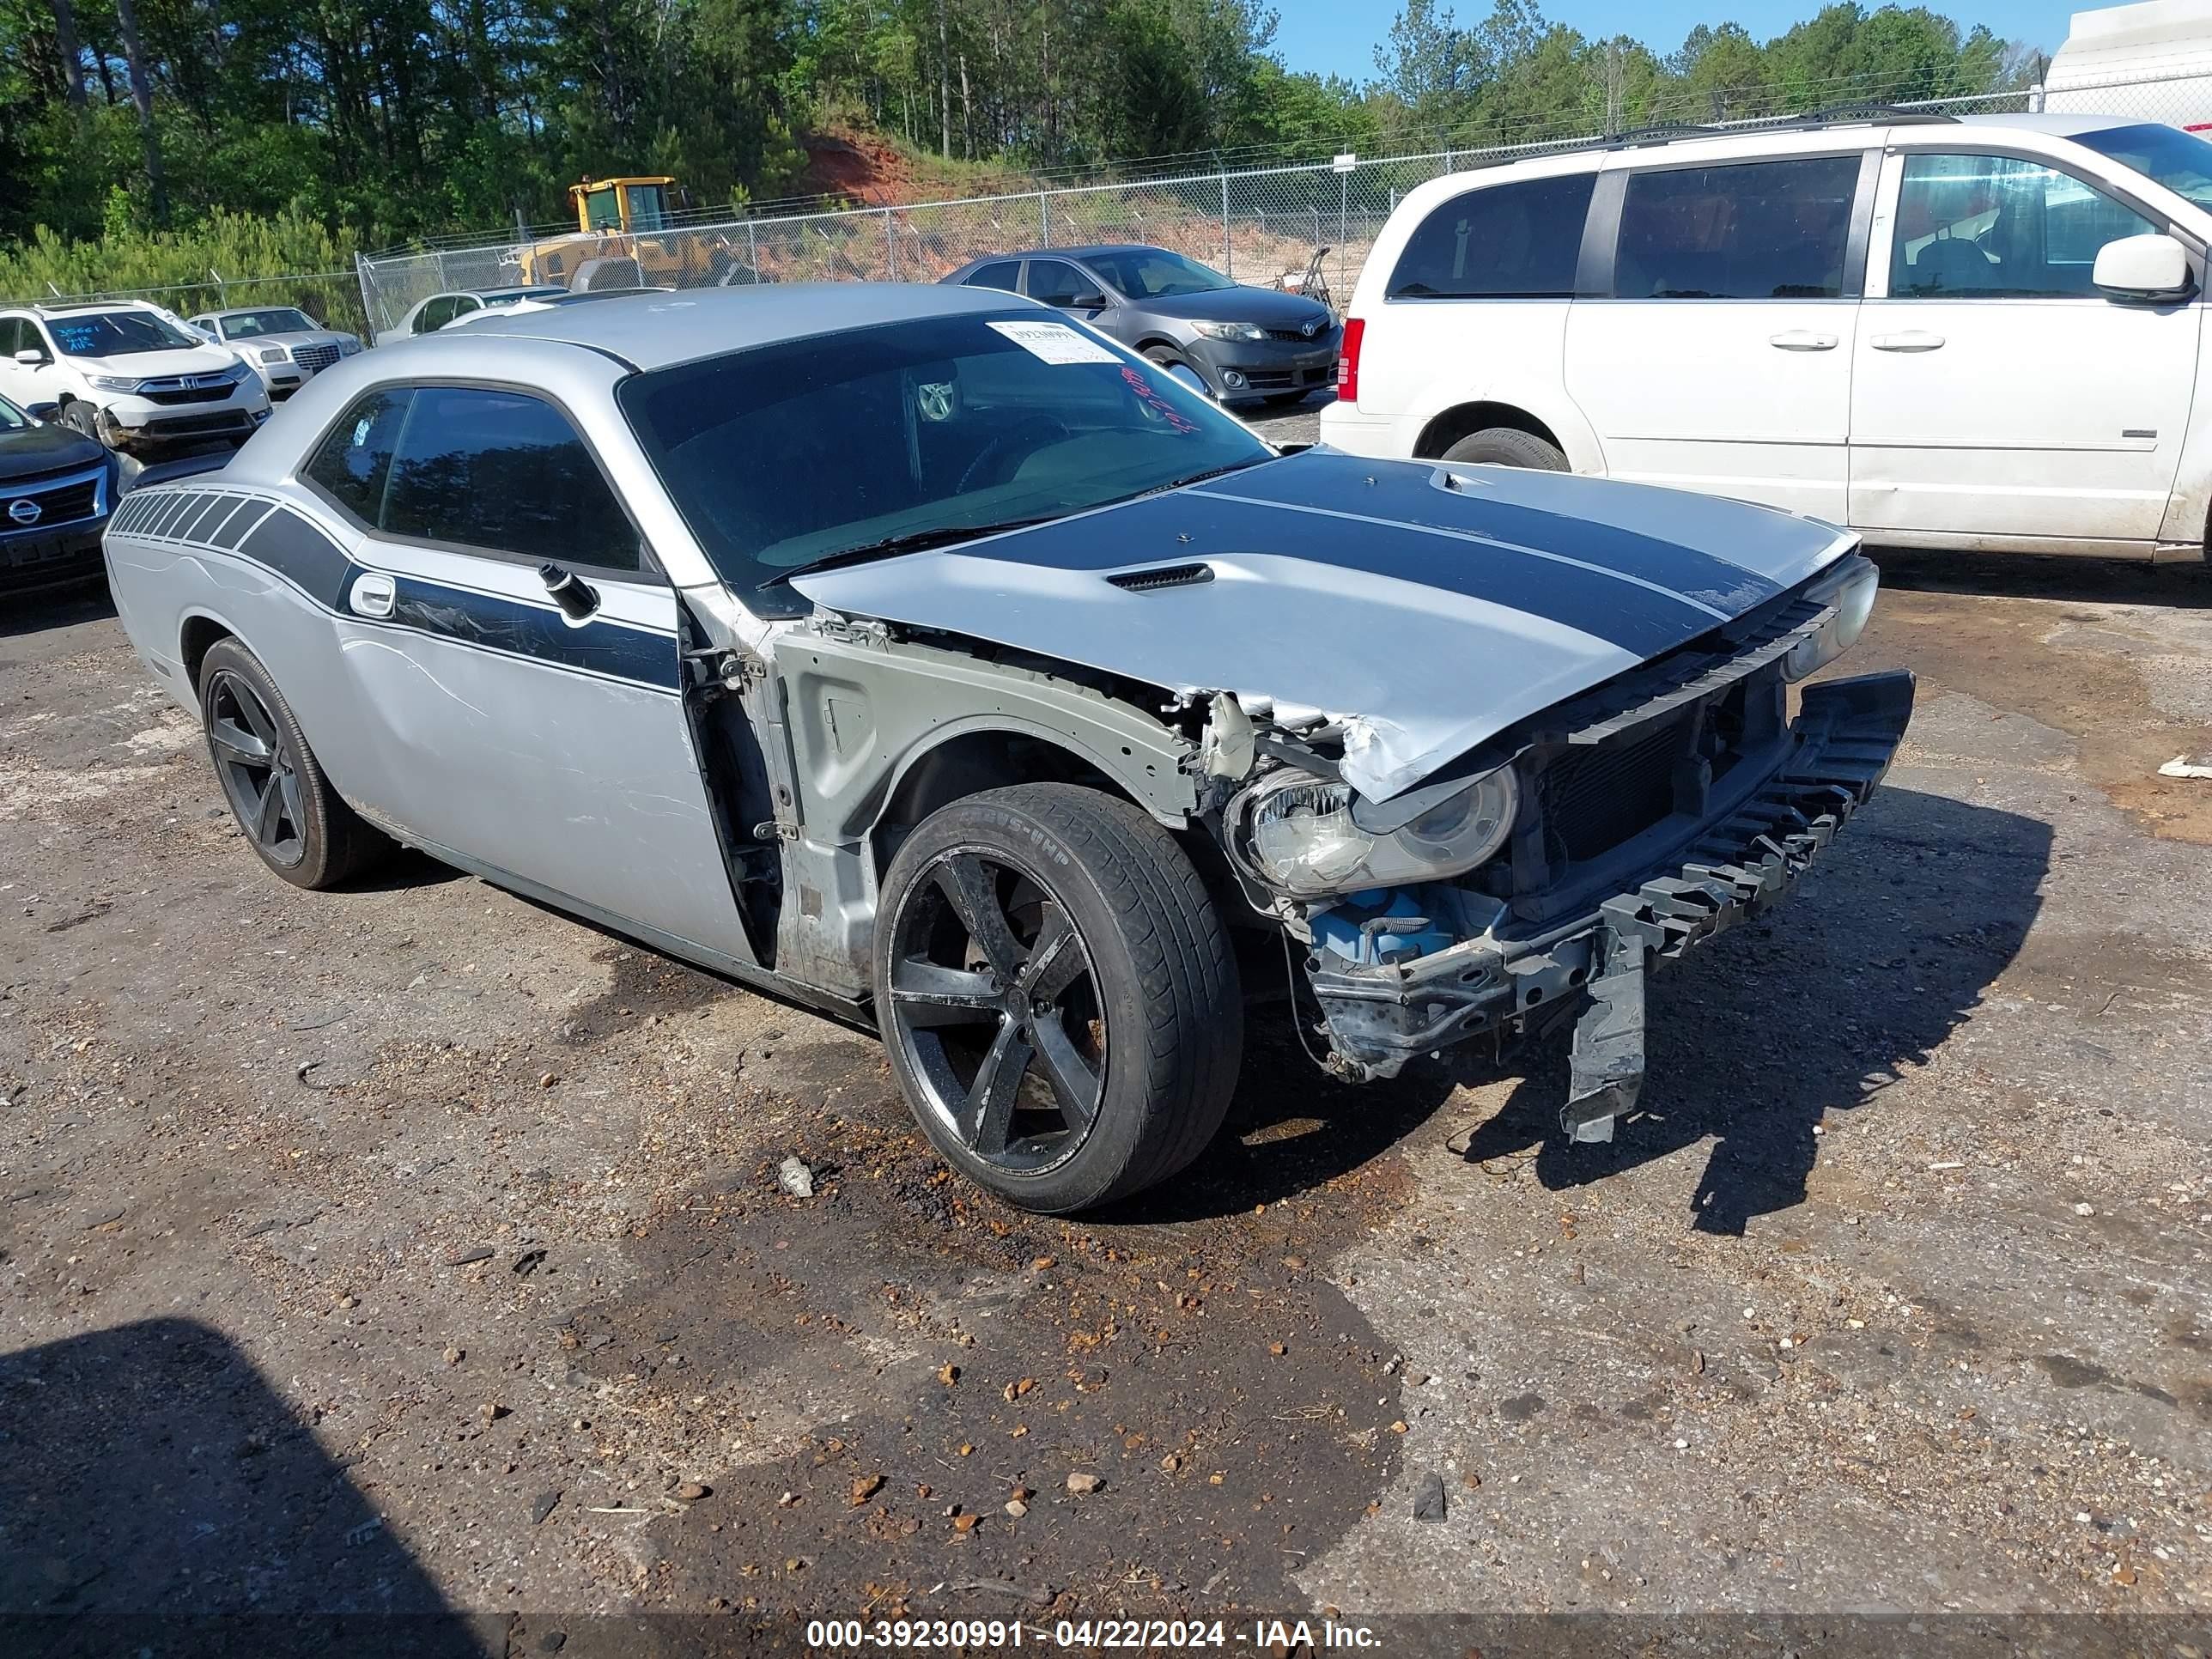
{"points": [[1347, 362]]}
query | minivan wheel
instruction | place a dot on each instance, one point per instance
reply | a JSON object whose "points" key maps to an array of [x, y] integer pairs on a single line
{"points": [[1058, 995], [291, 816], [1507, 445]]}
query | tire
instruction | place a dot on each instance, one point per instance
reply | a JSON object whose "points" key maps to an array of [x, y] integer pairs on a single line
{"points": [[307, 836], [1100, 973], [1507, 445], [82, 419], [1191, 376]]}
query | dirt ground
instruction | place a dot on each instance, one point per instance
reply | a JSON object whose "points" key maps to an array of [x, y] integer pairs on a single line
{"points": [[416, 1252]]}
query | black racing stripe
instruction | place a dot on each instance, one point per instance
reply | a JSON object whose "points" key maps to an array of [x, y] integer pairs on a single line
{"points": [[190, 526], [507, 625], [240, 524], [1406, 494], [168, 512], [1190, 526], [295, 549], [227, 509]]}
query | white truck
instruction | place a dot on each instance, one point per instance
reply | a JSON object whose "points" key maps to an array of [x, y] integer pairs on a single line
{"points": [[2152, 61]]}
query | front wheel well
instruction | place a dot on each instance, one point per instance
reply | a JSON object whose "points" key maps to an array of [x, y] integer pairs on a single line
{"points": [[1449, 427], [969, 765], [200, 637]]}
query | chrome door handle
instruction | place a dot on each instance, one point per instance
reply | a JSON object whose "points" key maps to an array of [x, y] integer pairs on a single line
{"points": [[374, 594], [1913, 340], [1802, 339]]}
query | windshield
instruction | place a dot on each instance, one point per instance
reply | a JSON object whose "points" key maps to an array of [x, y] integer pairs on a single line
{"points": [[278, 319], [12, 419], [1153, 273], [788, 454], [117, 334], [2180, 161]]}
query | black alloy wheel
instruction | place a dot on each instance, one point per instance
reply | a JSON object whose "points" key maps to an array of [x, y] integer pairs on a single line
{"points": [[995, 1000], [294, 821], [258, 770], [1057, 993]]}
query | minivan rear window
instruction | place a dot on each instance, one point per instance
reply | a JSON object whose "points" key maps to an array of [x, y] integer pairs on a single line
{"points": [[1757, 230], [1511, 242]]}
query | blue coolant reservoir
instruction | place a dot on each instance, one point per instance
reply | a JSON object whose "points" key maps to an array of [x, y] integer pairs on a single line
{"points": [[1357, 930]]}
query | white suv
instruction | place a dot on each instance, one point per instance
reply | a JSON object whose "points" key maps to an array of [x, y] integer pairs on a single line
{"points": [[131, 375], [1982, 333]]}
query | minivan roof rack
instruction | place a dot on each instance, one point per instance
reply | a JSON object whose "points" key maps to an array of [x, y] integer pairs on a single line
{"points": [[1665, 132]]}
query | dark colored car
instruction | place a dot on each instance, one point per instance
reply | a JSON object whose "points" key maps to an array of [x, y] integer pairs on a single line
{"points": [[56, 488], [1246, 344]]}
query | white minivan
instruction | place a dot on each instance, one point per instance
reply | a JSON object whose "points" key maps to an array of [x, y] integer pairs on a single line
{"points": [[1982, 332]]}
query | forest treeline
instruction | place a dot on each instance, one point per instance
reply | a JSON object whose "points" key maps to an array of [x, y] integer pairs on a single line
{"points": [[364, 122]]}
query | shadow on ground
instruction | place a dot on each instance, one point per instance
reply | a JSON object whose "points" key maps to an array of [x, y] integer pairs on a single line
{"points": [[1758, 1034], [2092, 581], [157, 1496]]}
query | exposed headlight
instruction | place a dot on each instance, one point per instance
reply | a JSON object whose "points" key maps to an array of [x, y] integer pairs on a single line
{"points": [[348, 345], [1851, 588], [112, 383], [1296, 833], [274, 355], [1231, 331]]}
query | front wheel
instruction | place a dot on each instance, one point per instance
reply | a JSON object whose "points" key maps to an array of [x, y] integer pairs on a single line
{"points": [[1058, 996]]}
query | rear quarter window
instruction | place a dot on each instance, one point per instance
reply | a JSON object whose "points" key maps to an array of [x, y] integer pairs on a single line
{"points": [[1507, 241], [355, 458]]}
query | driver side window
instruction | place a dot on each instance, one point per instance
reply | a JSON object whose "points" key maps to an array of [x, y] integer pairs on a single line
{"points": [[1999, 227], [1056, 283]]}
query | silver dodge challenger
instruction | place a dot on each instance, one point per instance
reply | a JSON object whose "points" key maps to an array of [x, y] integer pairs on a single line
{"points": [[923, 656]]}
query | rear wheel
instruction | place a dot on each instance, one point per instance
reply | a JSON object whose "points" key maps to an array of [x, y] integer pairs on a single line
{"points": [[291, 816], [1507, 445], [1057, 993]]}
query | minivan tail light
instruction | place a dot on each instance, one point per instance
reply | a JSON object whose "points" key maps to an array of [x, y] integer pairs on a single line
{"points": [[1347, 362]]}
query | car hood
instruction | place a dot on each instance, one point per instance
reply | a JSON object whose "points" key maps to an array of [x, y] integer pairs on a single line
{"points": [[160, 364], [1428, 606], [291, 342], [1267, 307], [39, 449]]}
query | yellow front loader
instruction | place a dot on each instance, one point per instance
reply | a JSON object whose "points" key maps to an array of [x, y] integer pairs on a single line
{"points": [[625, 237]]}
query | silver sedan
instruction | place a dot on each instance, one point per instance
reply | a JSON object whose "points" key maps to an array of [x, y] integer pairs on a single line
{"points": [[921, 655]]}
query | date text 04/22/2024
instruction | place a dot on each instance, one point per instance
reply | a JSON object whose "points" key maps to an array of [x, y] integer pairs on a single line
{"points": [[1264, 1634]]}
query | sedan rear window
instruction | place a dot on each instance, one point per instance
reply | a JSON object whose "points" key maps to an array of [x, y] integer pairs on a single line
{"points": [[849, 444]]}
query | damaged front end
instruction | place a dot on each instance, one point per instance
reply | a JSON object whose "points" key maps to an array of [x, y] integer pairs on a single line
{"points": [[1535, 882]]}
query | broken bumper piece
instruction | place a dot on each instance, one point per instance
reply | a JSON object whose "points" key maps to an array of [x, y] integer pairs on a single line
{"points": [[1379, 1017]]}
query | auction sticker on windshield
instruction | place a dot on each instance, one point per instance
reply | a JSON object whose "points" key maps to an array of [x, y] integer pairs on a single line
{"points": [[1056, 343]]}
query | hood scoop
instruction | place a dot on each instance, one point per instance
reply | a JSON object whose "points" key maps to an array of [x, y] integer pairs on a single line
{"points": [[1159, 576]]}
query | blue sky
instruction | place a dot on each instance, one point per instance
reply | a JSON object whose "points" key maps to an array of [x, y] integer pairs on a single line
{"points": [[1339, 37]]}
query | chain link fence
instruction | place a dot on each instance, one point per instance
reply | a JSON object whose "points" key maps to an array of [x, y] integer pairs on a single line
{"points": [[1262, 225]]}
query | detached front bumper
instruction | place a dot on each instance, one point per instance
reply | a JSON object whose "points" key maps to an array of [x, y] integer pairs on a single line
{"points": [[1381, 1015]]}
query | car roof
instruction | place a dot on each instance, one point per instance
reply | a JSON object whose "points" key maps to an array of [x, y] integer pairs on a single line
{"points": [[657, 331], [69, 306], [1089, 250]]}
